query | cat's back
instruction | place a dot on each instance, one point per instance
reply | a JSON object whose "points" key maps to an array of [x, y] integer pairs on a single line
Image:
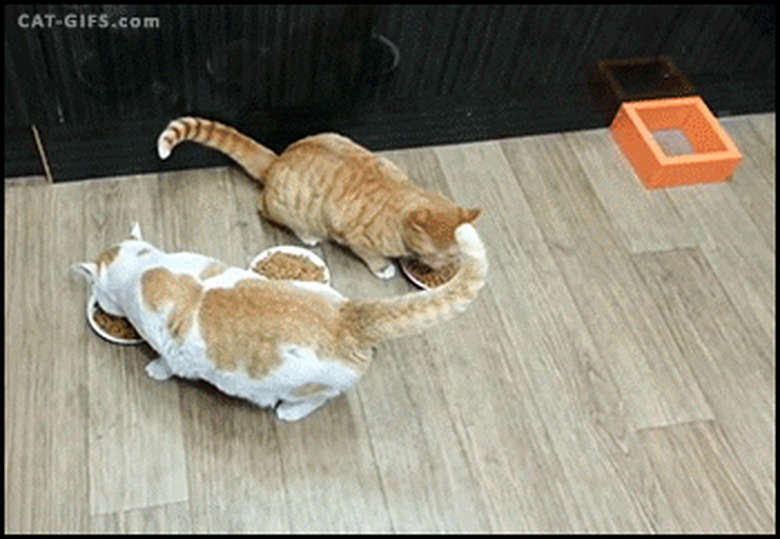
{"points": [[341, 156], [253, 318], [329, 143], [327, 186], [264, 340]]}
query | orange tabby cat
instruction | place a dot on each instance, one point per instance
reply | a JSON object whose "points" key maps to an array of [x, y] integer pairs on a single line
{"points": [[328, 187]]}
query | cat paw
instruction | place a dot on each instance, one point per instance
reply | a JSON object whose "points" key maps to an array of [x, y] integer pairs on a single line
{"points": [[309, 241], [293, 411], [158, 369], [387, 273]]}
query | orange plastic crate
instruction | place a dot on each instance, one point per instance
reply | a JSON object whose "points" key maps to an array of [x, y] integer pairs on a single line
{"points": [[714, 155]]}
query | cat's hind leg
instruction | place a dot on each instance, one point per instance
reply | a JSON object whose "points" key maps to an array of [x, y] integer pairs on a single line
{"points": [[269, 210], [307, 239], [295, 410]]}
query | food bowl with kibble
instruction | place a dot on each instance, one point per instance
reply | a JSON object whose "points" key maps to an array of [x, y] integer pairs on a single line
{"points": [[425, 276], [290, 262], [115, 329]]}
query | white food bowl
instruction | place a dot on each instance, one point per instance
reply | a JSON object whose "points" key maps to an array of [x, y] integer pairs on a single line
{"points": [[292, 250], [409, 275], [404, 262], [91, 309]]}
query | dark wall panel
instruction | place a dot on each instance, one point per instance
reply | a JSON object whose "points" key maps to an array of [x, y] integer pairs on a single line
{"points": [[393, 75]]}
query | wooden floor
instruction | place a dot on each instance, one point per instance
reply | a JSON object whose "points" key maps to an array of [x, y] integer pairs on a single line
{"points": [[616, 374]]}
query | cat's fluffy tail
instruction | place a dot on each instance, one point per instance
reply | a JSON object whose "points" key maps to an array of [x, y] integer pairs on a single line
{"points": [[251, 155], [373, 321]]}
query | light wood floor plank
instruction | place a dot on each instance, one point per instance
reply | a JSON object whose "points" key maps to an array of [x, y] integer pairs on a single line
{"points": [[733, 363], [703, 477], [426, 478], [169, 518], [23, 484], [136, 446], [234, 463], [45, 389], [69, 397], [753, 181], [333, 445], [765, 125], [626, 326], [736, 250], [504, 430], [646, 218]]}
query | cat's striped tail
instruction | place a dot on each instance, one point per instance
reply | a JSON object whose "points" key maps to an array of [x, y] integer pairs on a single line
{"points": [[373, 321], [251, 155]]}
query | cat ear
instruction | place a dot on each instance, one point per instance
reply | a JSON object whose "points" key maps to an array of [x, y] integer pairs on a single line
{"points": [[88, 269], [135, 233], [418, 219], [469, 215]]}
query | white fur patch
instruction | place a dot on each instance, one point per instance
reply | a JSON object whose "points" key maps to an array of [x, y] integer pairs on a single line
{"points": [[467, 237], [471, 245], [163, 146], [300, 366]]}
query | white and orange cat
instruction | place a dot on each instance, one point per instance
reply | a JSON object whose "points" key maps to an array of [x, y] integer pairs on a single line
{"points": [[289, 345], [328, 187]]}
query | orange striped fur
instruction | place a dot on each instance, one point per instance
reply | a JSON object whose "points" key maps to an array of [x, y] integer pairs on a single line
{"points": [[328, 187]]}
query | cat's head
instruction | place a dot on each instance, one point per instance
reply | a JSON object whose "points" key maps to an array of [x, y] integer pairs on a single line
{"points": [[429, 233], [104, 273]]}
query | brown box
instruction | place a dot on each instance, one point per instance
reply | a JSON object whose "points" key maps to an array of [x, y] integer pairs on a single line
{"points": [[614, 82]]}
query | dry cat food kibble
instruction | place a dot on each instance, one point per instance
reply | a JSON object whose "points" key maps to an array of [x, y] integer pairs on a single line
{"points": [[287, 266], [116, 326], [432, 278]]}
